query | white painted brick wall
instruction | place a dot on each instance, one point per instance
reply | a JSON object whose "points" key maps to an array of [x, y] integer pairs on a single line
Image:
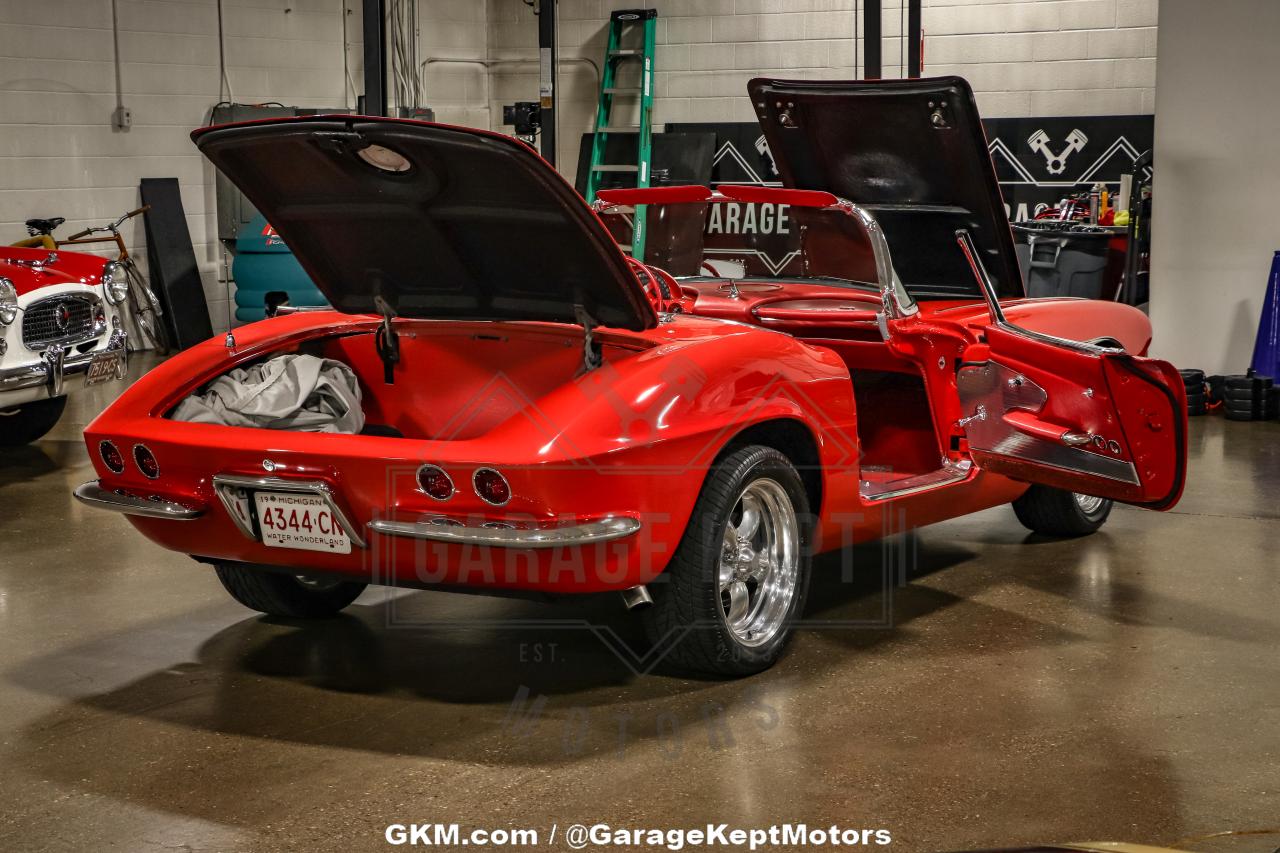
{"points": [[453, 43], [1024, 57], [58, 153]]}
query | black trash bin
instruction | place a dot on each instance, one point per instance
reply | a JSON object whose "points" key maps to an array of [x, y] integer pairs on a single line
{"points": [[1062, 258]]}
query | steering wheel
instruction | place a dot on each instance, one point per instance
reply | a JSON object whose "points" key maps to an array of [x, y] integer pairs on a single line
{"points": [[664, 292]]}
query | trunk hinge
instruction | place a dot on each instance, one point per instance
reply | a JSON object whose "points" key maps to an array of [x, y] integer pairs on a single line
{"points": [[591, 355], [386, 341]]}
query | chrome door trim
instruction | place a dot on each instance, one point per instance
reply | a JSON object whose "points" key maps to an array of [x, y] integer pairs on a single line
{"points": [[999, 390], [970, 250], [949, 474]]}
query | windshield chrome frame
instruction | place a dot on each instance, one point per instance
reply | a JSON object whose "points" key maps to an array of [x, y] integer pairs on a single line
{"points": [[894, 298]]}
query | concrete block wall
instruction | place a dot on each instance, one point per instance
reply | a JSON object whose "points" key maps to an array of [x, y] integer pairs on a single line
{"points": [[1024, 57], [453, 45], [59, 155]]}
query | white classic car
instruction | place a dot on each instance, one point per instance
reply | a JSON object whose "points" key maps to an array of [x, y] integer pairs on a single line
{"points": [[60, 329]]}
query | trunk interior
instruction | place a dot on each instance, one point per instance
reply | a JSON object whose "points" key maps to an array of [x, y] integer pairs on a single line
{"points": [[454, 384]]}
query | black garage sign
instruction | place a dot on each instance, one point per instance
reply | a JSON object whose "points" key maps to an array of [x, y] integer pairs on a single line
{"points": [[1037, 160]]}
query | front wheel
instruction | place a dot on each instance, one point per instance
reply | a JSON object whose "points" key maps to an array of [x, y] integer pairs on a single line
{"points": [[739, 577], [1054, 512], [30, 421], [294, 596], [147, 313]]}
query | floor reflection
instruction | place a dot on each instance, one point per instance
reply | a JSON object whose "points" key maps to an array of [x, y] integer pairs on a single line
{"points": [[990, 688]]}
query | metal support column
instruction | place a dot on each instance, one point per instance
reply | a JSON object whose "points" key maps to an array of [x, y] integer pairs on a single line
{"points": [[548, 73], [915, 38], [871, 40], [375, 57]]}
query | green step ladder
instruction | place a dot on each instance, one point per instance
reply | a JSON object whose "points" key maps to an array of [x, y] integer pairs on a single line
{"points": [[623, 23]]}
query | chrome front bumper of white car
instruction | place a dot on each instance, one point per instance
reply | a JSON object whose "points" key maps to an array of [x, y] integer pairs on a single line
{"points": [[55, 372]]}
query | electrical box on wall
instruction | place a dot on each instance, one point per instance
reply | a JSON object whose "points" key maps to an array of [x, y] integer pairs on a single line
{"points": [[234, 210], [418, 113]]}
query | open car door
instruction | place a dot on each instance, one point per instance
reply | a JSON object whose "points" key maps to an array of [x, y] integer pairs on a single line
{"points": [[1073, 415], [912, 159]]}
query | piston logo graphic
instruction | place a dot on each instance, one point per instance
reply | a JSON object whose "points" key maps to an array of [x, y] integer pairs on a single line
{"points": [[1039, 142]]}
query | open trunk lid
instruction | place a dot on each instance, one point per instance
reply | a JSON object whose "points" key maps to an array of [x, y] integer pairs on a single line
{"points": [[429, 221], [914, 153]]}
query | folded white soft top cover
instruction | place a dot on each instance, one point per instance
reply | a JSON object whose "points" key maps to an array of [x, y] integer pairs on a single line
{"points": [[302, 393]]}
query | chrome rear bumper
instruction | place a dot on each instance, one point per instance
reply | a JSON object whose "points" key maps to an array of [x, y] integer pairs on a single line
{"points": [[437, 529], [92, 494], [442, 530], [54, 369]]}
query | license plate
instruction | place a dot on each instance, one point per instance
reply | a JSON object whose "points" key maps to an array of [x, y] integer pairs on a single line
{"points": [[105, 366], [302, 522]]}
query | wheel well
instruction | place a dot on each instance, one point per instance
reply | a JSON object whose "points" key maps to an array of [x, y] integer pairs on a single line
{"points": [[794, 440]]}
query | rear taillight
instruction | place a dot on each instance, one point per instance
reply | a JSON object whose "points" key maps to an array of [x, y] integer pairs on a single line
{"points": [[435, 483], [146, 462], [491, 486], [111, 457]]}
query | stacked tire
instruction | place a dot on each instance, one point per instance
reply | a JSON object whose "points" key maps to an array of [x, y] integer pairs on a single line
{"points": [[1249, 397], [1197, 395]]}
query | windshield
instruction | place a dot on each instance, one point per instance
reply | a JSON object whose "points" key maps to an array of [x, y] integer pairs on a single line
{"points": [[720, 239]]}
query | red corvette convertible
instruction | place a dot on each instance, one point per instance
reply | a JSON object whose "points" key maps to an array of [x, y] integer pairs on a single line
{"points": [[537, 412]]}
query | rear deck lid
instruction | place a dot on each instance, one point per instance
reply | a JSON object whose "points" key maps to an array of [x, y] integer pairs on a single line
{"points": [[914, 153], [434, 221]]}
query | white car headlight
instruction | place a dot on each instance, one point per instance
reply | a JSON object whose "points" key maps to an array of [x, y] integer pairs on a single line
{"points": [[8, 302], [115, 281]]}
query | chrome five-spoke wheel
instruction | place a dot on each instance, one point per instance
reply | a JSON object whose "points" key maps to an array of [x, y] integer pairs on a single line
{"points": [[736, 584], [759, 562]]}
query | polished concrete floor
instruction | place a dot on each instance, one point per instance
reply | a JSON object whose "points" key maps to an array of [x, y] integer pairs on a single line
{"points": [[1125, 686]]}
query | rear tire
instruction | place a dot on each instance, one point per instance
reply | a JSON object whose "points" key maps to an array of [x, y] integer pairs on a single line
{"points": [[736, 582], [280, 594], [1054, 512], [30, 421]]}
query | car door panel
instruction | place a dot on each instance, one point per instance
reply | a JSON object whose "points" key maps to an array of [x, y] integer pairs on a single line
{"points": [[1097, 422]]}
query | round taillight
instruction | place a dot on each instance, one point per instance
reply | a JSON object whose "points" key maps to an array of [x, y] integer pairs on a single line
{"points": [[491, 486], [146, 462], [111, 457], [435, 483]]}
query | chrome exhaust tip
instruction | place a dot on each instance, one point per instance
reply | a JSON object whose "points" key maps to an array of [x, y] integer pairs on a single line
{"points": [[636, 596]]}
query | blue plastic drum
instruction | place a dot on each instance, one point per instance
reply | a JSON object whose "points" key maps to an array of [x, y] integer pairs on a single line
{"points": [[264, 264]]}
